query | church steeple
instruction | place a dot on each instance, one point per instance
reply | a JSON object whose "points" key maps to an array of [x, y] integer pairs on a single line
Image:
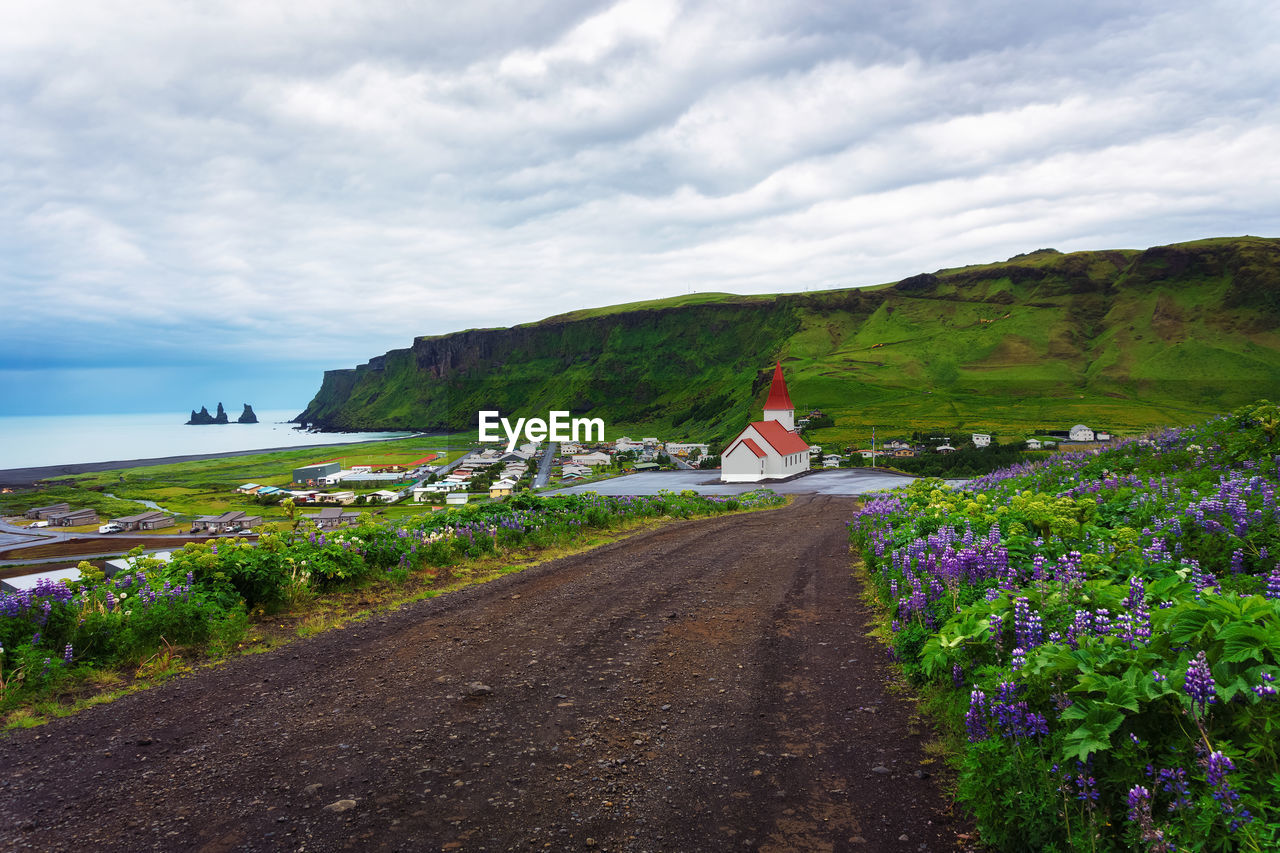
{"points": [[778, 407]]}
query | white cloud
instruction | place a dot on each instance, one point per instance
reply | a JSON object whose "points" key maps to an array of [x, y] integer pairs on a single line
{"points": [[323, 181]]}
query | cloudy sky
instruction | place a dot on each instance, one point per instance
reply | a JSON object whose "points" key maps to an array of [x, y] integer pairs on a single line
{"points": [[203, 201]]}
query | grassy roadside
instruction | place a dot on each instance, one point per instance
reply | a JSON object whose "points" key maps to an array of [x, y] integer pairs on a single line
{"points": [[311, 614]]}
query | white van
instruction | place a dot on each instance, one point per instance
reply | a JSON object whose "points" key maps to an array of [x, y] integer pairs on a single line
{"points": [[111, 527], [44, 522]]}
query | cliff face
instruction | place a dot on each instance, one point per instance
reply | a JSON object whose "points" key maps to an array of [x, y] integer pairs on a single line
{"points": [[1193, 323]]}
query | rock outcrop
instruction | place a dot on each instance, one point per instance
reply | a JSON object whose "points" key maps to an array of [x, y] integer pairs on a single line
{"points": [[203, 417]]}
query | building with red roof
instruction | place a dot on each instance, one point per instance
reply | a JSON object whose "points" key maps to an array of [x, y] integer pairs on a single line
{"points": [[768, 449]]}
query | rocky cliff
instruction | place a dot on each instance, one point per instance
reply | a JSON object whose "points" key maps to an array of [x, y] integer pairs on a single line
{"points": [[1188, 327]]}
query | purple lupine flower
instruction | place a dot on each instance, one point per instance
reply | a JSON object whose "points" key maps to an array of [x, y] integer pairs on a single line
{"points": [[1199, 683], [1217, 767], [957, 676], [975, 719], [1273, 584], [1086, 785], [1140, 813], [1139, 803], [1026, 624], [1173, 781], [67, 654], [1265, 689], [1018, 659]]}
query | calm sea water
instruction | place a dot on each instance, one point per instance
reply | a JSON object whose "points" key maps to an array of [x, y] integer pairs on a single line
{"points": [[30, 441]]}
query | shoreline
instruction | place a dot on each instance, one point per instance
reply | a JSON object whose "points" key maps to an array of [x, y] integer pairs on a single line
{"points": [[30, 476]]}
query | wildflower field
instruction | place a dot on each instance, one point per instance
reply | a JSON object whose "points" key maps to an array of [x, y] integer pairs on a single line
{"points": [[1102, 634], [58, 634]]}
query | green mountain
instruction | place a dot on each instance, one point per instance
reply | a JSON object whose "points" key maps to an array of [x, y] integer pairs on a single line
{"points": [[1120, 339]]}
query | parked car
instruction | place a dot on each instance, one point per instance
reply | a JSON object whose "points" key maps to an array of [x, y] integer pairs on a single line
{"points": [[44, 522], [111, 527]]}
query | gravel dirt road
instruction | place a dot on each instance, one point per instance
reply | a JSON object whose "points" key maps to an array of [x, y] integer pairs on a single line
{"points": [[702, 686]]}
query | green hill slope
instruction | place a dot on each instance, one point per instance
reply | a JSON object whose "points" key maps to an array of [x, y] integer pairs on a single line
{"points": [[1118, 339]]}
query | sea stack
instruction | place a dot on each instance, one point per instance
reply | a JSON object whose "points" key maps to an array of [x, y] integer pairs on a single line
{"points": [[203, 417], [247, 416]]}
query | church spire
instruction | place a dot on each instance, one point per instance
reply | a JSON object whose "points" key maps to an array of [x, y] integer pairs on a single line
{"points": [[778, 407]]}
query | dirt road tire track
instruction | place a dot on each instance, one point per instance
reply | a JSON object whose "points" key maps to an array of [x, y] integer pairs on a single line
{"points": [[703, 686]]}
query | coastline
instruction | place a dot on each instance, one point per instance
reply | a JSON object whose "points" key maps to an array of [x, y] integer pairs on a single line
{"points": [[26, 477]]}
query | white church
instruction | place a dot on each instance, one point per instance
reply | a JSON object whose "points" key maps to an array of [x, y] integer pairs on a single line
{"points": [[768, 449]]}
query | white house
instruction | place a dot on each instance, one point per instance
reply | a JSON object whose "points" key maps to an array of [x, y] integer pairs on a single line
{"points": [[767, 449], [945, 448], [456, 498], [596, 457], [1033, 444], [1080, 432], [832, 461], [981, 439], [686, 448]]}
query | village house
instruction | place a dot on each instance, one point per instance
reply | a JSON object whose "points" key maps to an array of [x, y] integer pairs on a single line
{"points": [[73, 518], [904, 453], [768, 449], [685, 449], [248, 488], [981, 439], [1080, 432], [235, 519], [595, 457], [944, 448], [1033, 444], [502, 489], [332, 516], [153, 520], [831, 460], [43, 512], [456, 498]]}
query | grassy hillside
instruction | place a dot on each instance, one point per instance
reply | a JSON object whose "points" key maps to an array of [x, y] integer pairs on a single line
{"points": [[1120, 339]]}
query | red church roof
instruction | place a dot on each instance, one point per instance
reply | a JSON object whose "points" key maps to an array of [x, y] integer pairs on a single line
{"points": [[754, 448], [778, 396], [779, 437]]}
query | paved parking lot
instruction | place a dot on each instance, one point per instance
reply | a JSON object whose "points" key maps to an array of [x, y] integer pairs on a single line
{"points": [[837, 481]]}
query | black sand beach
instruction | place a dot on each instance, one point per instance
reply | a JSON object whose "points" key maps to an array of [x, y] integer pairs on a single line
{"points": [[24, 477]]}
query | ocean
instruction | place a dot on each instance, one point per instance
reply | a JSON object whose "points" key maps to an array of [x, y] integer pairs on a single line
{"points": [[29, 441]]}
